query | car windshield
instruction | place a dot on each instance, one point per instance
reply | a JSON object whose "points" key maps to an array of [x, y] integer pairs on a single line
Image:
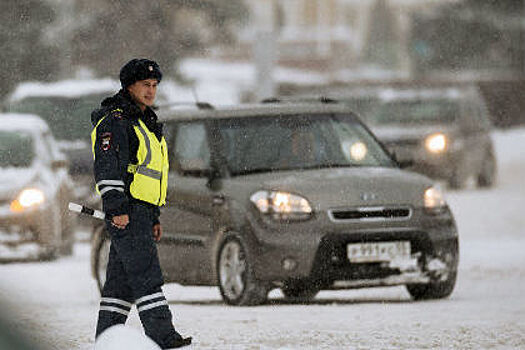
{"points": [[415, 112], [16, 149], [298, 142], [68, 118]]}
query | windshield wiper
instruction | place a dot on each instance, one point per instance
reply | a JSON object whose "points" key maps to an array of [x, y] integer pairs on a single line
{"points": [[331, 165], [253, 171], [307, 167]]}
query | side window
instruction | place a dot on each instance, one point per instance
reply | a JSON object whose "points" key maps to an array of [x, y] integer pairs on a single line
{"points": [[484, 115], [51, 146], [191, 150], [470, 115], [44, 152], [478, 115]]}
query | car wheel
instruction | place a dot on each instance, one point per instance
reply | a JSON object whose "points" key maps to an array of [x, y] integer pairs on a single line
{"points": [[68, 234], [49, 234], [300, 290], [458, 178], [236, 278], [487, 172], [433, 290], [101, 257]]}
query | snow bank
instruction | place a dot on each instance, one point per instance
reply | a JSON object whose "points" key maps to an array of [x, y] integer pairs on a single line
{"points": [[121, 337]]}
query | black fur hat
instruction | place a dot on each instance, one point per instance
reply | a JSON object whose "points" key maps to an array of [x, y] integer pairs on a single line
{"points": [[139, 69]]}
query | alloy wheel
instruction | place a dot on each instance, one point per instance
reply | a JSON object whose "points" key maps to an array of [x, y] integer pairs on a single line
{"points": [[232, 268]]}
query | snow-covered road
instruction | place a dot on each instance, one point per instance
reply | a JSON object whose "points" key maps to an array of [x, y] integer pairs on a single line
{"points": [[57, 302]]}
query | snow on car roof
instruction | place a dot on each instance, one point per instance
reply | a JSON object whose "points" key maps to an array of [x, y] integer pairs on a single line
{"points": [[418, 94], [65, 88], [250, 110], [19, 121]]}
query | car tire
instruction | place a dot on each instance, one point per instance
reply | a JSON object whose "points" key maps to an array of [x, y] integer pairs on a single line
{"points": [[235, 273], [487, 173], [299, 290], [101, 247], [458, 178], [49, 234], [433, 290], [68, 234]]}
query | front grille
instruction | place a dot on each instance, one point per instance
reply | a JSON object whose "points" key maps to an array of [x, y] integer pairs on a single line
{"points": [[370, 213]]}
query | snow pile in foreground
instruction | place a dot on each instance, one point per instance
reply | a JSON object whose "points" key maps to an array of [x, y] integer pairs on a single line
{"points": [[121, 337]]}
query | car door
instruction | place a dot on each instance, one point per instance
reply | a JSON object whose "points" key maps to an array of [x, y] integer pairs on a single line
{"points": [[187, 218], [473, 135], [58, 162]]}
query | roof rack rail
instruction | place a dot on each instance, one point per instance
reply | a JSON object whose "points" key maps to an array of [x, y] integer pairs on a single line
{"points": [[204, 105], [324, 99], [199, 105], [321, 99], [271, 100]]}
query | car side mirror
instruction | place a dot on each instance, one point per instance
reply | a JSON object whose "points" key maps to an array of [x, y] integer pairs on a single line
{"points": [[403, 164], [214, 180], [59, 164]]}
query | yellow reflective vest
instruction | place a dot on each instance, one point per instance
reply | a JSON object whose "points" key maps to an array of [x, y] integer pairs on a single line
{"points": [[150, 174]]}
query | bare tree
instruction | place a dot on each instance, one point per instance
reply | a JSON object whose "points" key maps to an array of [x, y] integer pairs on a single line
{"points": [[24, 55], [111, 32]]}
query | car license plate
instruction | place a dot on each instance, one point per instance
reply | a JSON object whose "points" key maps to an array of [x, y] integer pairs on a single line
{"points": [[377, 252]]}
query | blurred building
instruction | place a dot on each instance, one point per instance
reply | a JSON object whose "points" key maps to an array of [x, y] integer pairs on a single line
{"points": [[335, 34]]}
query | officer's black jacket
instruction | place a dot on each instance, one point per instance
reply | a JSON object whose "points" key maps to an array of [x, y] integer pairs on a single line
{"points": [[116, 146]]}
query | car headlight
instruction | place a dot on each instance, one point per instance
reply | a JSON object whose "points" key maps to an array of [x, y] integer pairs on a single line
{"points": [[28, 198], [436, 143], [434, 199], [281, 205]]}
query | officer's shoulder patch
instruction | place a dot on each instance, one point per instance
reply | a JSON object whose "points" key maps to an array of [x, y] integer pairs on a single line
{"points": [[105, 141], [116, 113]]}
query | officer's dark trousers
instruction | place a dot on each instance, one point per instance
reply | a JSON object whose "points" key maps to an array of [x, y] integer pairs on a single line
{"points": [[134, 277]]}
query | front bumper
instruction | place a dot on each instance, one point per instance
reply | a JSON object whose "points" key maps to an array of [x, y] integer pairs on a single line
{"points": [[429, 261], [20, 234], [22, 221], [316, 250]]}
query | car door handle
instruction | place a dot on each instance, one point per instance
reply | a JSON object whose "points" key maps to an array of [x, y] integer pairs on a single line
{"points": [[218, 200]]}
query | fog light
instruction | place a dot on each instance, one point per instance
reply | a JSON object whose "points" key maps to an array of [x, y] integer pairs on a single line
{"points": [[289, 264]]}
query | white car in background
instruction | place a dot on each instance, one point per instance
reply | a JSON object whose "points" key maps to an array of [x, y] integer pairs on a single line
{"points": [[66, 106], [34, 191]]}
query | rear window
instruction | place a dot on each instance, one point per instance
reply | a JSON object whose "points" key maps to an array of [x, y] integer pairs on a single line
{"points": [[415, 112], [68, 118]]}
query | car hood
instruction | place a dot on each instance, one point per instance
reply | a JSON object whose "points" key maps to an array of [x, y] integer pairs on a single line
{"points": [[394, 133], [12, 180], [328, 188]]}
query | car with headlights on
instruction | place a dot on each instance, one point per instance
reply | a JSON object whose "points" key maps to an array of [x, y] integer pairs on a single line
{"points": [[300, 197], [34, 191], [66, 105], [444, 132]]}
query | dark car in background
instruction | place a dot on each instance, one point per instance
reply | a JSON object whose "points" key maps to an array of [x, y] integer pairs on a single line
{"points": [[34, 191], [443, 131], [300, 197]]}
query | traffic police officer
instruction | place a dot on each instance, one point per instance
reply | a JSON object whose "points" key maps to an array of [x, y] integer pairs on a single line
{"points": [[131, 174]]}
